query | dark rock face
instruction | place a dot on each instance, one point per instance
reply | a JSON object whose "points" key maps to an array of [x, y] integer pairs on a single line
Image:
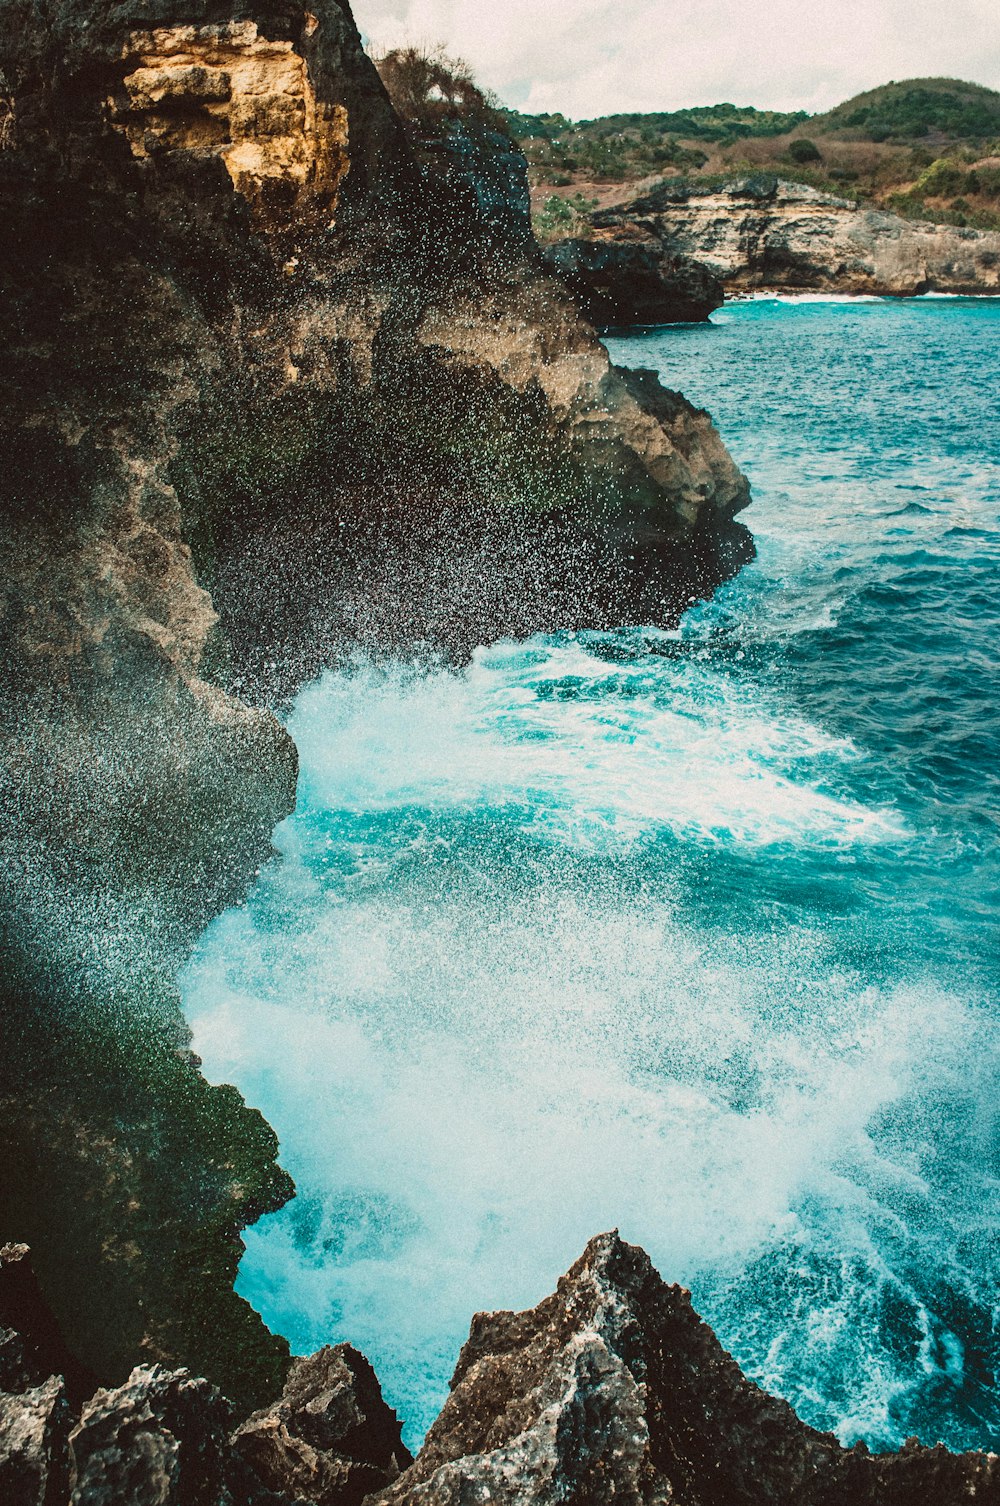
{"points": [[622, 282], [34, 1445], [330, 1436], [761, 232], [613, 1389], [487, 170], [252, 348]]}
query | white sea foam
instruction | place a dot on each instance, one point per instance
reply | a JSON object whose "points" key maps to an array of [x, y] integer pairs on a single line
{"points": [[766, 296], [598, 751], [602, 932], [475, 1062], [471, 1077]]}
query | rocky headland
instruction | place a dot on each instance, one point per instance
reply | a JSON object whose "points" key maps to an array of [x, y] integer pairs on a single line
{"points": [[272, 384], [763, 233]]}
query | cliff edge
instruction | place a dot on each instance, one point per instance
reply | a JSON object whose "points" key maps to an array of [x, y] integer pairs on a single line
{"points": [[270, 385]]}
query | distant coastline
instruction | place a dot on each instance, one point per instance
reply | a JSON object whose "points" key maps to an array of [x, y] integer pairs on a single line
{"points": [[658, 217]]}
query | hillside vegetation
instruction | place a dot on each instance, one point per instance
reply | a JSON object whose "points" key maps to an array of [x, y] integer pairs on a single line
{"points": [[926, 148], [915, 109]]}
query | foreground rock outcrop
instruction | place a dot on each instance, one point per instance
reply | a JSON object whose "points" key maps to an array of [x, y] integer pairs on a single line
{"points": [[330, 1435], [612, 1389], [166, 1437], [763, 232]]}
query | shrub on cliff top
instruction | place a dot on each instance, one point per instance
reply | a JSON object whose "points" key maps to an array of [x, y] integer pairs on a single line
{"points": [[559, 217], [428, 90], [942, 179]]}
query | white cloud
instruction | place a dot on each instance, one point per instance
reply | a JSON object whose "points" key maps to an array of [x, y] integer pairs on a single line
{"points": [[591, 57]]}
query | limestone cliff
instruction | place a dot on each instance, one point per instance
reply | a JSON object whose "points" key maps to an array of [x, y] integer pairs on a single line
{"points": [[269, 384], [761, 232]]}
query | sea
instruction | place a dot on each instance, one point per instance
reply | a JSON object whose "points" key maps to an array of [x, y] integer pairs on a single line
{"points": [[691, 934]]}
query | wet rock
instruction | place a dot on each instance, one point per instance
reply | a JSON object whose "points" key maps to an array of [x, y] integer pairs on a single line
{"points": [[330, 1437], [613, 1389], [161, 1438], [622, 282], [164, 1438], [34, 1438]]}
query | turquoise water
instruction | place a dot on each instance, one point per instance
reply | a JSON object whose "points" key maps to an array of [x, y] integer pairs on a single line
{"points": [[690, 934]]}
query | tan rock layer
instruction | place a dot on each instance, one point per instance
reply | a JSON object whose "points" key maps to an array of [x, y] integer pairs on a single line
{"points": [[228, 91], [760, 233]]}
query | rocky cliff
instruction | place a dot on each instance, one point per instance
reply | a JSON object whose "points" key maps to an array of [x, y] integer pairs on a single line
{"points": [[270, 384], [624, 281], [762, 232], [612, 1389]]}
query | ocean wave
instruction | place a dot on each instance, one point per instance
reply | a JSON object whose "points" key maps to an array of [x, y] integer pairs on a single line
{"points": [[688, 933]]}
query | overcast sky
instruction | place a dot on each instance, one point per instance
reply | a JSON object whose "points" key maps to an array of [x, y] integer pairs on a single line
{"points": [[592, 57]]}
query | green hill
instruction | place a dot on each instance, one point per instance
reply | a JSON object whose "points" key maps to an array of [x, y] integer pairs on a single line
{"points": [[914, 109]]}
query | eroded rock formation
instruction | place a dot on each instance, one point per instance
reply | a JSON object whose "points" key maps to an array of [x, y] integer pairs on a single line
{"points": [[613, 1389], [330, 1435], [34, 1445], [762, 232], [228, 91], [627, 281]]}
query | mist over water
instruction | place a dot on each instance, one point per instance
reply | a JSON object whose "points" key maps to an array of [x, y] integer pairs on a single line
{"points": [[689, 934]]}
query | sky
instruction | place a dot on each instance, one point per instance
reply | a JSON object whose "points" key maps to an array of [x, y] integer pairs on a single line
{"points": [[595, 57]]}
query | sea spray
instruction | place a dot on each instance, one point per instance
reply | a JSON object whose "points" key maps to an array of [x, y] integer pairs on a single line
{"points": [[684, 933]]}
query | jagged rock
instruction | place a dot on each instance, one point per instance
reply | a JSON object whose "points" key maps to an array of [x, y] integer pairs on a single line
{"points": [[34, 1437], [763, 232], [330, 1437], [613, 1389], [622, 282], [165, 1438], [161, 1439]]}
